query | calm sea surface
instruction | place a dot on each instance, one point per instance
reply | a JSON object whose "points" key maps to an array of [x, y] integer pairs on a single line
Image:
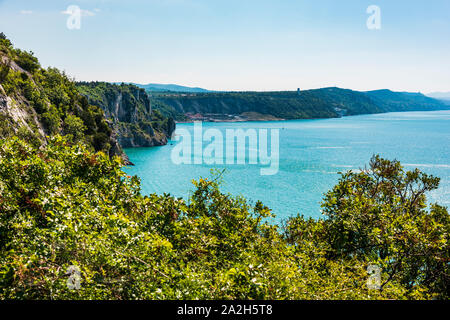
{"points": [[312, 152]]}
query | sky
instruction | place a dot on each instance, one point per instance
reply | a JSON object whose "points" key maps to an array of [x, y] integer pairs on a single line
{"points": [[240, 45]]}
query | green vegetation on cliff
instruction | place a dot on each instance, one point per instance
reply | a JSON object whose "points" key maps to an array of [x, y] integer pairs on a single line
{"points": [[130, 111], [36, 103], [65, 208]]}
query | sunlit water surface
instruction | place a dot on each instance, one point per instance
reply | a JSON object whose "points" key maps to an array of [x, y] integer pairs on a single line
{"points": [[312, 152]]}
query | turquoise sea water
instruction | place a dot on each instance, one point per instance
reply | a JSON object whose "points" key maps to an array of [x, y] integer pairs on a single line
{"points": [[312, 152]]}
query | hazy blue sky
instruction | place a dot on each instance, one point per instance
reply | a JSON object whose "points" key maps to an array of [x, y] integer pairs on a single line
{"points": [[241, 44]]}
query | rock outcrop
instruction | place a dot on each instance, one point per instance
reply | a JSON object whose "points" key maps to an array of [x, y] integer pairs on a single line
{"points": [[37, 103], [129, 110]]}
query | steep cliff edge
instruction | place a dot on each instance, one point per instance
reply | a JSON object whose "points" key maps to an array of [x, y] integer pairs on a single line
{"points": [[36, 103], [129, 110]]}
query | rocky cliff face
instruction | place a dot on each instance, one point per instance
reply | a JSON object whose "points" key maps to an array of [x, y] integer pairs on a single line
{"points": [[129, 110], [17, 118], [36, 103]]}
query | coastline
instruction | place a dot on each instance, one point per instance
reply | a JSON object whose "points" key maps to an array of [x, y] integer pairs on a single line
{"points": [[209, 119]]}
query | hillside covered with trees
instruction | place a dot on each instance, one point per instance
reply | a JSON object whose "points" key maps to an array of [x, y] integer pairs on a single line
{"points": [[308, 104], [36, 103]]}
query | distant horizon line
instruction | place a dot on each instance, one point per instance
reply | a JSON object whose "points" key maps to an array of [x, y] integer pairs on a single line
{"points": [[446, 93]]}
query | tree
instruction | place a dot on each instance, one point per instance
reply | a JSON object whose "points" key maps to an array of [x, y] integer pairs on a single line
{"points": [[63, 207], [27, 60], [4, 70], [5, 41], [74, 127], [380, 215], [51, 120]]}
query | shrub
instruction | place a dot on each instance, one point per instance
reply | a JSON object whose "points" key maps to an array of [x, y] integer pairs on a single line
{"points": [[64, 206], [101, 141], [381, 214], [51, 120], [4, 70], [74, 127], [27, 60]]}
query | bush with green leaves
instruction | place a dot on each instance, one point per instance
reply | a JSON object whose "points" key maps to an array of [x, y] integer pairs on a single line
{"points": [[63, 206], [74, 127], [381, 215]]}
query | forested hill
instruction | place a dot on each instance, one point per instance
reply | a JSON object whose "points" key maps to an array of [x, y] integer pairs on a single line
{"points": [[37, 103], [405, 101], [130, 111], [318, 103]]}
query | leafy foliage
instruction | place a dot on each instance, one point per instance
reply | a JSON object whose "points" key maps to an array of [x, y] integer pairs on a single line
{"points": [[74, 126], [63, 206], [27, 60], [381, 215]]}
